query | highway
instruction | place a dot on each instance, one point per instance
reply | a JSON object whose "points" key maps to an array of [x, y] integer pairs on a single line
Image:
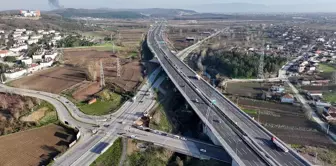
{"points": [[253, 139]]}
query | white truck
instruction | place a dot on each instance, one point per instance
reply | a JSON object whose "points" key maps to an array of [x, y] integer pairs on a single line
{"points": [[197, 77], [279, 145]]}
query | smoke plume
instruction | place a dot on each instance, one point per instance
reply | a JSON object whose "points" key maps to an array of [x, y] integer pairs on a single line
{"points": [[55, 4]]}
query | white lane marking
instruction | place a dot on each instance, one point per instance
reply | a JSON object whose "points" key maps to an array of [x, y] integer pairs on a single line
{"points": [[291, 163], [243, 150], [296, 163], [255, 163]]}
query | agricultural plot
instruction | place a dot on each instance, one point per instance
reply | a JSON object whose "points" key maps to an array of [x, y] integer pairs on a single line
{"points": [[288, 122], [130, 69], [52, 80], [246, 89], [34, 147]]}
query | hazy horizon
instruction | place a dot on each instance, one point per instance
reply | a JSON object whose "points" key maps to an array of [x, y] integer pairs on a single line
{"points": [[198, 5]]}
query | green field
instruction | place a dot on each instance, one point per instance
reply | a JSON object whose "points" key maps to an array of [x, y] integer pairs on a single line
{"points": [[103, 106], [99, 47], [250, 111], [326, 68], [111, 157], [330, 97], [163, 124]]}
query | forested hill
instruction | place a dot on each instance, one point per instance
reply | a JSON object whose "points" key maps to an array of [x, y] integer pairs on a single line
{"points": [[239, 65]]}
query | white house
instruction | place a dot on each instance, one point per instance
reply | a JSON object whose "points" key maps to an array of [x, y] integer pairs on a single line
{"points": [[34, 68], [16, 35], [29, 32], [2, 31], [19, 48], [288, 98], [32, 41], [36, 37], [52, 31], [46, 63], [57, 38], [51, 55], [13, 75], [45, 33], [27, 61], [20, 30], [315, 93], [40, 31], [24, 37], [38, 57]]}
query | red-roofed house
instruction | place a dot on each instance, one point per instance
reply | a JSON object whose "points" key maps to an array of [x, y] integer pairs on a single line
{"points": [[3, 53], [287, 98]]}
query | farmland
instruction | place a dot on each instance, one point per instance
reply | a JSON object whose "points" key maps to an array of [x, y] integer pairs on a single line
{"points": [[34, 147], [130, 70], [286, 121], [52, 80]]}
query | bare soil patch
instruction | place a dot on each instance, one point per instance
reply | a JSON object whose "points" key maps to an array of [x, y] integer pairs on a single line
{"points": [[130, 69], [86, 90], [34, 147], [35, 116], [53, 80]]}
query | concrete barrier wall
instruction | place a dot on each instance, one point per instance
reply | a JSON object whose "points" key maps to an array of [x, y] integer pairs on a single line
{"points": [[72, 143]]}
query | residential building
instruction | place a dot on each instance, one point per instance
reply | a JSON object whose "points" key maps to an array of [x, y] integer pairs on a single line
{"points": [[27, 61], [287, 98], [315, 93], [305, 82], [46, 63], [40, 31], [27, 13], [36, 37], [15, 74], [277, 89], [3, 53], [29, 32], [32, 41], [52, 55], [52, 31], [2, 31], [19, 48], [33, 68]]}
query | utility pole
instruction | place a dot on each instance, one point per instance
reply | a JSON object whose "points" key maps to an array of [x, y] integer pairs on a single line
{"points": [[261, 63], [113, 51], [102, 78], [118, 67]]}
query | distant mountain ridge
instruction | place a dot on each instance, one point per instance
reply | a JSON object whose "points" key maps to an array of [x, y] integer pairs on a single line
{"points": [[122, 13], [260, 8]]}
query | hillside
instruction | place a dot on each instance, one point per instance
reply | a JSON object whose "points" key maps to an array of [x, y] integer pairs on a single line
{"points": [[122, 13]]}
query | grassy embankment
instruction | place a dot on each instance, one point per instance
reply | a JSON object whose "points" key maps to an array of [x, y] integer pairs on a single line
{"points": [[160, 120], [111, 157], [108, 102]]}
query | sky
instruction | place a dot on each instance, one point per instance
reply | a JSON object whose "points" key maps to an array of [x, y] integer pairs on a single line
{"points": [[44, 5]]}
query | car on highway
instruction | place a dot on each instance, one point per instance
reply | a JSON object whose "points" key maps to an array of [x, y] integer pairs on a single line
{"points": [[196, 101], [279, 144], [183, 138], [164, 134], [217, 121], [133, 136], [203, 150]]}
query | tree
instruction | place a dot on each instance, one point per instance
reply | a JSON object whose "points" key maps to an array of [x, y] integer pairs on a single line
{"points": [[333, 78], [9, 59]]}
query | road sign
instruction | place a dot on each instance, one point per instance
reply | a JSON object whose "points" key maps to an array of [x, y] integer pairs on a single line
{"points": [[213, 101]]}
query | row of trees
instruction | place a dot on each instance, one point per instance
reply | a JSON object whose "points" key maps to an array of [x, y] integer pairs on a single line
{"points": [[73, 41], [239, 65]]}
